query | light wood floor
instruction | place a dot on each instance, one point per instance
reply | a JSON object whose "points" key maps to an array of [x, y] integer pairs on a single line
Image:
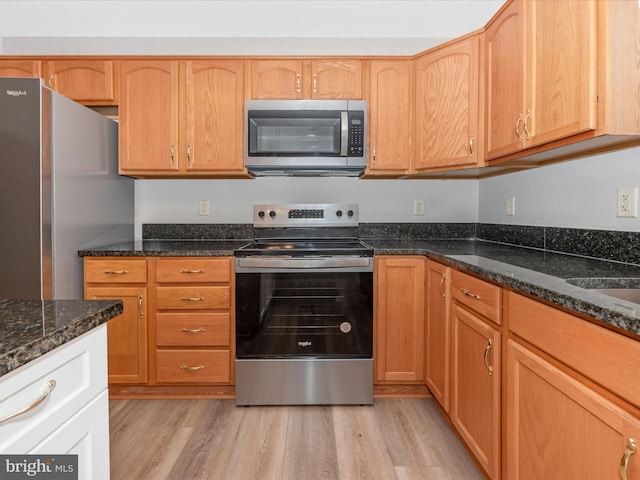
{"points": [[395, 439]]}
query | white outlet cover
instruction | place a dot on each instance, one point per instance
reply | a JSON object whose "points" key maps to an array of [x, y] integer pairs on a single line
{"points": [[627, 203], [510, 207]]}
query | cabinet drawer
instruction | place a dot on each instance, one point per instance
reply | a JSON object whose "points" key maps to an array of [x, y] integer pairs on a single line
{"points": [[606, 357], [482, 297], [193, 366], [193, 298], [115, 271], [79, 370], [192, 329], [207, 270]]}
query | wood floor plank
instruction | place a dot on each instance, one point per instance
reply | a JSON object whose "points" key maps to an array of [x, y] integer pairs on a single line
{"points": [[395, 439]]}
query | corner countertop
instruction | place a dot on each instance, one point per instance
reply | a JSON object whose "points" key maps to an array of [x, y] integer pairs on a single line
{"points": [[31, 328], [539, 273]]}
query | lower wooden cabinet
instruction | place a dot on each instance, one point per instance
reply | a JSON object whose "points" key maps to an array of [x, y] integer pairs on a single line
{"points": [[399, 319], [475, 389], [122, 279], [560, 428]]}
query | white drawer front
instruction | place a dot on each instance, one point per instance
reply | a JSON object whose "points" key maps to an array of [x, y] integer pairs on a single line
{"points": [[79, 369]]}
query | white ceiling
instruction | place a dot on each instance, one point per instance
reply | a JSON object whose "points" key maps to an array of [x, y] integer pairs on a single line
{"points": [[236, 26]]}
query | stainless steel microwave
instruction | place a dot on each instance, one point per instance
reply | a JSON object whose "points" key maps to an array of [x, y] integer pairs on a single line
{"points": [[306, 137]]}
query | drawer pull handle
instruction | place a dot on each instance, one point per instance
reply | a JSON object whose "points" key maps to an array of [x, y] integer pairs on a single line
{"points": [[467, 293], [191, 271], [192, 299], [191, 369], [114, 272], [192, 330], [46, 389], [624, 461], [486, 353]]}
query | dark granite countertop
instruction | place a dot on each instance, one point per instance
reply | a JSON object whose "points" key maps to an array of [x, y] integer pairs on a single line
{"points": [[31, 328], [164, 248], [540, 273]]}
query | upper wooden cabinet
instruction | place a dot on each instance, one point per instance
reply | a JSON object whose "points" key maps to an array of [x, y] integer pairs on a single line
{"points": [[447, 126], [561, 75], [20, 68], [158, 138], [390, 116], [323, 78], [91, 82]]}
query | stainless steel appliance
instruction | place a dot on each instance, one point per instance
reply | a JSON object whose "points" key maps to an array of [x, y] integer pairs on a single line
{"points": [[59, 190], [306, 137], [304, 308]]}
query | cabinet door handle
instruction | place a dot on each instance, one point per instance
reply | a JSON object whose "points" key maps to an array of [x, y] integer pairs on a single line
{"points": [[315, 83], [297, 82], [518, 128], [624, 461], [192, 299], [189, 156], [191, 271], [114, 272], [46, 389], [526, 124], [173, 159], [374, 154], [140, 306], [467, 293], [192, 369], [486, 353], [192, 330], [442, 295], [471, 146]]}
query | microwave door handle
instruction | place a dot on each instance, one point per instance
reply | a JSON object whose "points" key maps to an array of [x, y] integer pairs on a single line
{"points": [[344, 133]]}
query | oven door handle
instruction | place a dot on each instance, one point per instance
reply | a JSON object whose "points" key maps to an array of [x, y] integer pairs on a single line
{"points": [[256, 264]]}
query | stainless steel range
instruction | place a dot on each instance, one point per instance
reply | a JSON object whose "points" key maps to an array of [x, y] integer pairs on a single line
{"points": [[304, 308]]}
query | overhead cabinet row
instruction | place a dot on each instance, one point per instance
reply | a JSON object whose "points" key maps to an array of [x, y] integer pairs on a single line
{"points": [[542, 82]]}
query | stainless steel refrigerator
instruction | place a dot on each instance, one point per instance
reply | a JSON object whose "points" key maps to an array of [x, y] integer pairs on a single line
{"points": [[59, 190]]}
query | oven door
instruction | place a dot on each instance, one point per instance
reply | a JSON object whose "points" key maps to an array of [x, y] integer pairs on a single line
{"points": [[320, 314]]}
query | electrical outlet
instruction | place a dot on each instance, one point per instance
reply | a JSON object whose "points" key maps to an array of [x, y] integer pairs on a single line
{"points": [[203, 207], [510, 208], [418, 207], [628, 202]]}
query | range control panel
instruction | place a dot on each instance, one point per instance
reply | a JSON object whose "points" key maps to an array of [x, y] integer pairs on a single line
{"points": [[302, 215]]}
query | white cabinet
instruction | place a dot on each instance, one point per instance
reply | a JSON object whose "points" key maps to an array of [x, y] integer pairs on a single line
{"points": [[73, 414]]}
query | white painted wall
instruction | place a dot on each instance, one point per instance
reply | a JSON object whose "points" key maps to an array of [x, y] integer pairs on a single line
{"points": [[580, 193]]}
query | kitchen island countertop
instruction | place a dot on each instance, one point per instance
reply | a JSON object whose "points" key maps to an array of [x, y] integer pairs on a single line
{"points": [[31, 328], [539, 273]]}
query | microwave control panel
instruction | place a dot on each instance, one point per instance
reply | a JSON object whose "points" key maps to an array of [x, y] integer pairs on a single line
{"points": [[355, 147]]}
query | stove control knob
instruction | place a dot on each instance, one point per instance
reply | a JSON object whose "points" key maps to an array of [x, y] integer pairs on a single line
{"points": [[272, 213], [350, 213], [339, 213], [261, 213]]}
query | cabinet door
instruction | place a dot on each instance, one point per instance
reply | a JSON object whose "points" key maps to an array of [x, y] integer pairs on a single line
{"points": [[126, 334], [505, 82], [277, 79], [399, 319], [437, 333], [447, 106], [389, 116], [475, 401], [561, 84], [20, 68], [85, 81], [336, 79], [559, 428], [214, 110], [148, 116]]}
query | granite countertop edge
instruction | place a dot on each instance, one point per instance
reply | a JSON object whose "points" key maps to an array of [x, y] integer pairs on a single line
{"points": [[98, 313], [466, 255]]}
